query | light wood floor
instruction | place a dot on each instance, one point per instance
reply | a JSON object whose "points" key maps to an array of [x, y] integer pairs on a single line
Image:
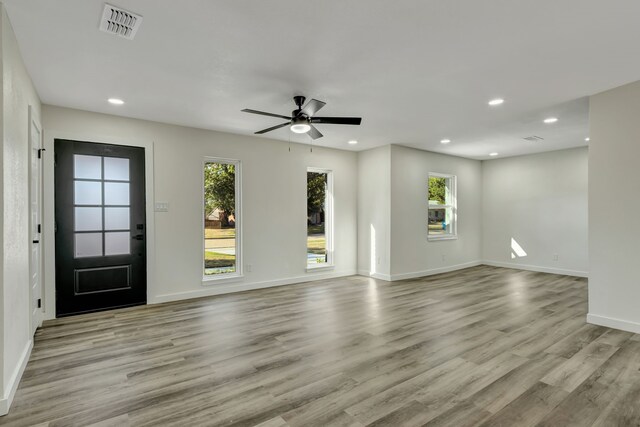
{"points": [[481, 346]]}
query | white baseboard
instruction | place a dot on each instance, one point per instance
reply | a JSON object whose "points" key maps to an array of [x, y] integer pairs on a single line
{"points": [[610, 322], [537, 268], [14, 380], [380, 276], [431, 272], [228, 288]]}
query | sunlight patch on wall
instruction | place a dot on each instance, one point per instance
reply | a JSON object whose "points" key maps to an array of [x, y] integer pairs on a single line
{"points": [[372, 245], [516, 250]]}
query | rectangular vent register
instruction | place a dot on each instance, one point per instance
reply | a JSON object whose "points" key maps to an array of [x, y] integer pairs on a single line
{"points": [[120, 22]]}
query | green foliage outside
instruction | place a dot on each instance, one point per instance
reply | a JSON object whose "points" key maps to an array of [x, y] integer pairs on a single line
{"points": [[220, 188], [316, 192], [437, 189]]}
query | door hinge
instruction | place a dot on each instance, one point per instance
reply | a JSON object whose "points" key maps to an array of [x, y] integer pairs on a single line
{"points": [[40, 150], [55, 227], [39, 228], [39, 303]]}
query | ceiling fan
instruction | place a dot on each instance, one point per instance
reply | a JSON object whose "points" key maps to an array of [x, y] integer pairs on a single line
{"points": [[302, 119]]}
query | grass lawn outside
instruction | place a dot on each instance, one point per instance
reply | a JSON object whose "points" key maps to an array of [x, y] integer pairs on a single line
{"points": [[317, 245], [219, 233], [315, 229], [217, 260]]}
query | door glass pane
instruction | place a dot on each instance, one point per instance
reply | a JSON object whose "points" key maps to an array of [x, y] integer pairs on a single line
{"points": [[87, 167], [116, 193], [116, 168], [117, 243], [88, 219], [116, 218], [88, 193], [88, 244]]}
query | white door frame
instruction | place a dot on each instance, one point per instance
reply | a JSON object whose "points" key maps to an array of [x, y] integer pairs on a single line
{"points": [[36, 241]]}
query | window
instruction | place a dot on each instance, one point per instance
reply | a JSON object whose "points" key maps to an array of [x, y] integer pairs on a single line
{"points": [[101, 206], [319, 218], [221, 218], [442, 206]]}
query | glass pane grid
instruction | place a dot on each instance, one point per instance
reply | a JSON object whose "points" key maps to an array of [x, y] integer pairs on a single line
{"points": [[101, 206]]}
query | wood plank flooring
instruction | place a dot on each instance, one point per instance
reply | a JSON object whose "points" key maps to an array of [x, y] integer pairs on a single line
{"points": [[482, 346]]}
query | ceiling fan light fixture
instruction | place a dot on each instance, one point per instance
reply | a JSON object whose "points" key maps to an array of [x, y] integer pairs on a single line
{"points": [[300, 128], [303, 118], [300, 125]]}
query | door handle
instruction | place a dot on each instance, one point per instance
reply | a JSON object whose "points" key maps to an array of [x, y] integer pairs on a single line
{"points": [[36, 241], [138, 237]]}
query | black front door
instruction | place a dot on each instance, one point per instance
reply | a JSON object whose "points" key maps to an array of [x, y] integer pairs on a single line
{"points": [[100, 227]]}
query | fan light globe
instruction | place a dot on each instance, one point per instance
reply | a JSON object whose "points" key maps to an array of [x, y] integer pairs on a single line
{"points": [[300, 126]]}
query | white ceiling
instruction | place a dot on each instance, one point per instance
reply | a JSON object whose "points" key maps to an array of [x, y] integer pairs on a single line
{"points": [[417, 71]]}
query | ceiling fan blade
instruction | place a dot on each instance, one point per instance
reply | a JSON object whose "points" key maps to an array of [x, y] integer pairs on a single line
{"points": [[312, 107], [337, 120], [260, 132], [314, 133], [262, 113]]}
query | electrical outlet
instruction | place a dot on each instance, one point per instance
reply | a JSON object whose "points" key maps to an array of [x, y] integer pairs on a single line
{"points": [[555, 257], [378, 260], [444, 258], [249, 268]]}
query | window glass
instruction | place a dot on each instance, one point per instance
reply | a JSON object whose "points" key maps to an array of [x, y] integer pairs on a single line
{"points": [[220, 218], [442, 206], [318, 218]]}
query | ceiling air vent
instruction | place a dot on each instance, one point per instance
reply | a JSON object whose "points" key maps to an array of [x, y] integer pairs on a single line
{"points": [[119, 22], [533, 138]]}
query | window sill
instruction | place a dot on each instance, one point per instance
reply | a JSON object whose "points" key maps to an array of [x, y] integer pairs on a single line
{"points": [[211, 281], [436, 238], [320, 268]]}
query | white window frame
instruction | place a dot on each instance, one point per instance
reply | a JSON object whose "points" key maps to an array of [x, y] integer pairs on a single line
{"points": [[328, 222], [454, 207], [238, 274]]}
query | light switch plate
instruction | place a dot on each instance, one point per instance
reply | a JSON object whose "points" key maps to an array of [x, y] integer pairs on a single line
{"points": [[162, 207]]}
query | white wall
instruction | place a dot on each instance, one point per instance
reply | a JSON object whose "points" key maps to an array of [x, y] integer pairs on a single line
{"points": [[614, 208], [273, 202], [17, 94], [374, 212], [540, 201], [412, 254]]}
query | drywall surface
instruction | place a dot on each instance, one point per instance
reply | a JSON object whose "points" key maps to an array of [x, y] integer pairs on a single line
{"points": [[274, 198], [535, 212], [18, 94], [614, 204], [374, 212], [412, 253]]}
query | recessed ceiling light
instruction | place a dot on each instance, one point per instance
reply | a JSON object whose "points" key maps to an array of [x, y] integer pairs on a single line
{"points": [[115, 101], [493, 154], [445, 141], [497, 101], [353, 142], [551, 120], [587, 139]]}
